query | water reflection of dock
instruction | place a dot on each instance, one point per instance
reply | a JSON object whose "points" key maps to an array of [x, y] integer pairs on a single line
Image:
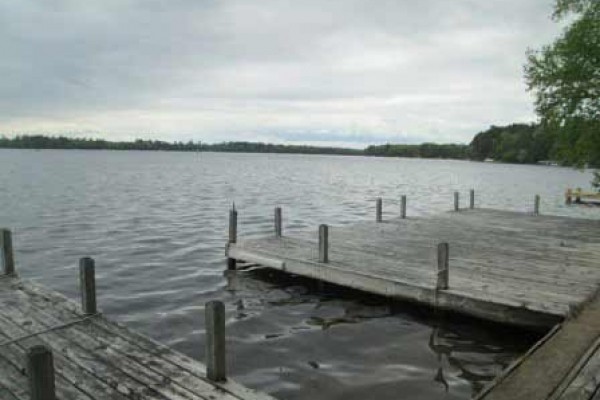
{"points": [[514, 268]]}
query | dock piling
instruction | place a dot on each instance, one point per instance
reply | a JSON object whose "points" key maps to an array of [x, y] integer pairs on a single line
{"points": [[323, 243], [379, 210], [442, 265], [40, 368], [472, 199], [232, 234], [403, 207], [456, 201], [87, 285], [278, 221], [6, 252], [536, 205], [214, 314]]}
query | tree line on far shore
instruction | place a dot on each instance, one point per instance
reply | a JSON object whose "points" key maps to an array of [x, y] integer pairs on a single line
{"points": [[516, 143], [64, 142]]}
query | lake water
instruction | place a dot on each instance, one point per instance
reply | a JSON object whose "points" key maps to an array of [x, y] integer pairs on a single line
{"points": [[156, 225]]}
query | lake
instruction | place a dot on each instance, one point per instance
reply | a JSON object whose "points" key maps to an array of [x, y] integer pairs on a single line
{"points": [[156, 223]]}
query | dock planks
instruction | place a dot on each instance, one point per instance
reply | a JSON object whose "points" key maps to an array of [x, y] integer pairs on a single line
{"points": [[563, 366], [95, 358], [523, 269]]}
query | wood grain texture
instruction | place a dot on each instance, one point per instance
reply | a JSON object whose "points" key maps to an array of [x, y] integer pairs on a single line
{"points": [[504, 266], [566, 366], [95, 358]]}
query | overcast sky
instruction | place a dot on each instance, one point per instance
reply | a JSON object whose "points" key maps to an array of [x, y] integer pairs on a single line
{"points": [[344, 72]]}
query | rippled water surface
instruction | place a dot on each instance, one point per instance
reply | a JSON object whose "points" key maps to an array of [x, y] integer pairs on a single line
{"points": [[156, 225]]}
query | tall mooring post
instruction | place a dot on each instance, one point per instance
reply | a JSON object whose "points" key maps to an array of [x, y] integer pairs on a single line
{"points": [[278, 221], [379, 210], [472, 199], [214, 321], [87, 285], [40, 369], [6, 252], [443, 275], [232, 234], [456, 201], [323, 243], [403, 206], [536, 205]]}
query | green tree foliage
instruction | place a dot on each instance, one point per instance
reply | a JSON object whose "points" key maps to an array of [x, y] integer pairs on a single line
{"points": [[425, 150], [62, 142], [516, 143], [565, 78]]}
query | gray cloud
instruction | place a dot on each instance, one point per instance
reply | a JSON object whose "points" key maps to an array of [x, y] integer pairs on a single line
{"points": [[225, 70]]}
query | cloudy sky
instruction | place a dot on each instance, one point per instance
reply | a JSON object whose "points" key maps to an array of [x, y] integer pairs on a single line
{"points": [[342, 72]]}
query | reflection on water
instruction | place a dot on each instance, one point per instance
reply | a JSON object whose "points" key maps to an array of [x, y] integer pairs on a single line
{"points": [[156, 224], [466, 352]]}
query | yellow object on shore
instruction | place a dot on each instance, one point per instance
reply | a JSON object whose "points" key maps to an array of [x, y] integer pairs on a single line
{"points": [[578, 196]]}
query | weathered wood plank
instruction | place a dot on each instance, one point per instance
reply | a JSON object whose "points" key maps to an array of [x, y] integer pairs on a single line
{"points": [[72, 361], [586, 378], [420, 273], [172, 366], [546, 372], [136, 374], [542, 264], [14, 356]]}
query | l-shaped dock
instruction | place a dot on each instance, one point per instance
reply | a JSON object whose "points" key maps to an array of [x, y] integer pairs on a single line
{"points": [[521, 268]]}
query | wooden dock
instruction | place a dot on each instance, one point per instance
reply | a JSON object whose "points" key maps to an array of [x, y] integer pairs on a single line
{"points": [[527, 269], [564, 365], [52, 348], [518, 268]]}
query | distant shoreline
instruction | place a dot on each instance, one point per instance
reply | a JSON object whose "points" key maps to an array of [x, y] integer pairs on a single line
{"points": [[425, 150], [486, 146]]}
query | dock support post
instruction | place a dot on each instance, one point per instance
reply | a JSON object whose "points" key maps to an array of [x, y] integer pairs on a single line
{"points": [[323, 243], [456, 201], [536, 205], [442, 265], [40, 368], [232, 235], [379, 210], [403, 207], [6, 252], [214, 314], [472, 199], [278, 221], [87, 285]]}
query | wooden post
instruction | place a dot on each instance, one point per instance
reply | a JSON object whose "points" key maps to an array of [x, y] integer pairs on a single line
{"points": [[232, 235], [442, 264], [569, 196], [214, 314], [6, 252], [40, 368], [536, 205], [379, 210], [403, 206], [278, 221], [323, 243], [472, 199], [456, 202], [87, 285]]}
